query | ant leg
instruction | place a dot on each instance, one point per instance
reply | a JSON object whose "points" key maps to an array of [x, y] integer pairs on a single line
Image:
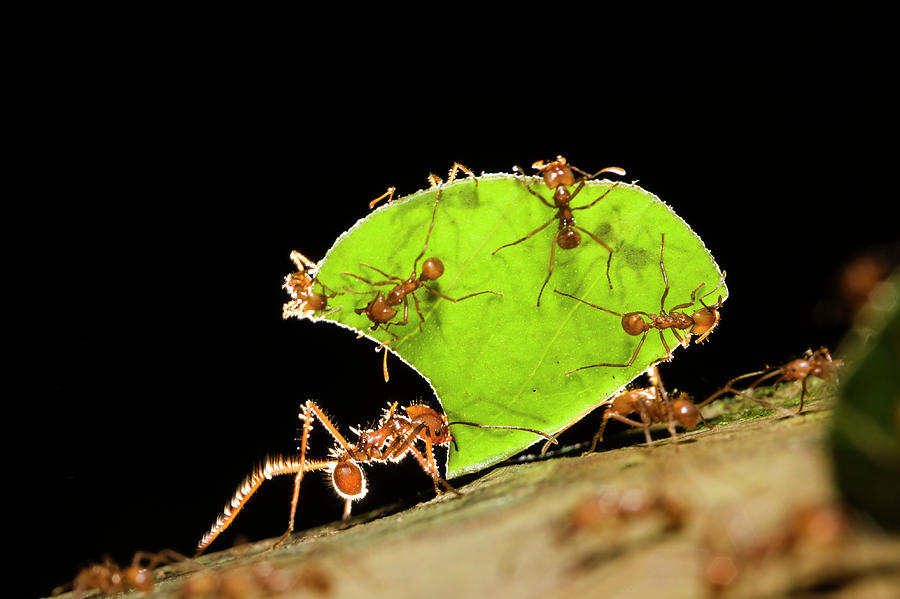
{"points": [[529, 236], [366, 281], [598, 437], [603, 195], [271, 466], [629, 363], [537, 195], [430, 227], [451, 177], [430, 468], [457, 299], [595, 305], [690, 303], [635, 424], [608, 249], [389, 194], [302, 262], [802, 394], [418, 310], [662, 338], [662, 267], [348, 504], [728, 387], [381, 272], [550, 268]]}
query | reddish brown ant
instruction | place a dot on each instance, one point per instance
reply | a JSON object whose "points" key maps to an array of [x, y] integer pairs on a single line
{"points": [[383, 308], [391, 440], [600, 510], [109, 577], [702, 322], [262, 578], [817, 363], [305, 299], [653, 406], [558, 176]]}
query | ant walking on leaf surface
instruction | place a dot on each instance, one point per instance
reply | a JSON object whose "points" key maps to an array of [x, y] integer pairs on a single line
{"points": [[558, 176], [392, 439], [384, 307], [701, 322]]}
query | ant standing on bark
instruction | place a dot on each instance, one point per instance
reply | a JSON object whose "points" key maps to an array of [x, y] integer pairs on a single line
{"points": [[110, 578], [558, 176], [305, 301], [701, 322], [653, 406], [391, 440], [817, 363]]}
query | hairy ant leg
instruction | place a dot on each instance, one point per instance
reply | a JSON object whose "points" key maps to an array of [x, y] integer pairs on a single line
{"points": [[558, 176], [433, 180], [700, 323]]}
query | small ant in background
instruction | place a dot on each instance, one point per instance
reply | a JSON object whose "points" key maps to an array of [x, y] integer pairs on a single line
{"points": [[609, 507], [817, 363], [383, 308], [824, 527], [391, 440], [305, 301], [558, 176], [701, 322], [109, 577], [262, 578]]}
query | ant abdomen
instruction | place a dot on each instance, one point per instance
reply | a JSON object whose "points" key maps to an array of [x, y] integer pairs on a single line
{"points": [[349, 480], [568, 239], [432, 269]]}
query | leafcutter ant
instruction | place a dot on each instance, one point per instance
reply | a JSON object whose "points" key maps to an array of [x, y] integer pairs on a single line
{"points": [[653, 406], [261, 579], [305, 300], [817, 363], [394, 437], [109, 577], [701, 322], [383, 308], [558, 176]]}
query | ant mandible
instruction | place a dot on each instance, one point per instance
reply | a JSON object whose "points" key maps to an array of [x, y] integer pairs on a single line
{"points": [[110, 578], [558, 176], [305, 301], [817, 363], [383, 308], [391, 440], [701, 322]]}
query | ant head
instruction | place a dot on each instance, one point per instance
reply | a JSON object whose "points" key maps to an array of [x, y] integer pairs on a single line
{"points": [[686, 413], [555, 173], [706, 319], [568, 239], [432, 269], [434, 426], [634, 324], [378, 310], [349, 481]]}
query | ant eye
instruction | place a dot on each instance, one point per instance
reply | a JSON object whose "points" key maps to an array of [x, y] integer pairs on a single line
{"points": [[437, 432]]}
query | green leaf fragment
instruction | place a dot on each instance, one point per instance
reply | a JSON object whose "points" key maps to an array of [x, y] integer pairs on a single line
{"points": [[502, 360]]}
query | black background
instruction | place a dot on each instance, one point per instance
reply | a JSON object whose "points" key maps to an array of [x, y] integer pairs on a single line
{"points": [[176, 172]]}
